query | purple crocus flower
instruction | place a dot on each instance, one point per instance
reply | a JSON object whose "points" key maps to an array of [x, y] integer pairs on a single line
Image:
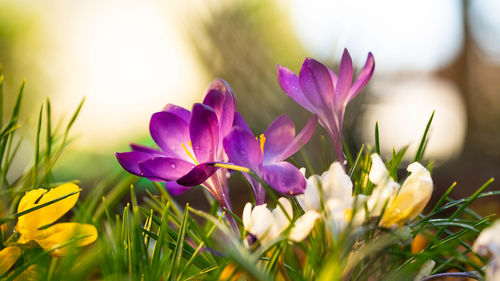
{"points": [[321, 92], [189, 142], [264, 155]]}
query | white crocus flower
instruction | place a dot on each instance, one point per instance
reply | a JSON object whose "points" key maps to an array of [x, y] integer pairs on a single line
{"points": [[336, 187], [489, 242], [268, 225], [385, 186], [404, 203]]}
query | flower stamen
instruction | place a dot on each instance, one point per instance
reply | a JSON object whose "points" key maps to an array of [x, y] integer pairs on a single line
{"points": [[262, 141], [189, 153]]}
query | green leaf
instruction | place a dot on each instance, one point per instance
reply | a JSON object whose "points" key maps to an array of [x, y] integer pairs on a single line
{"points": [[177, 256], [423, 141]]}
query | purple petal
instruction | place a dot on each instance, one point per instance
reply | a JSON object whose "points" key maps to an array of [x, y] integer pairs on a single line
{"points": [[289, 82], [204, 132], [165, 168], [243, 149], [278, 136], [130, 160], [179, 111], [176, 189], [170, 132], [220, 97], [197, 175], [284, 177], [240, 122], [344, 81], [364, 76], [300, 140], [142, 148], [333, 76], [316, 83]]}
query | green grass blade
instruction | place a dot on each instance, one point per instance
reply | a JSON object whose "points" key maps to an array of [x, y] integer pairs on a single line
{"points": [[37, 148], [177, 256], [423, 141]]}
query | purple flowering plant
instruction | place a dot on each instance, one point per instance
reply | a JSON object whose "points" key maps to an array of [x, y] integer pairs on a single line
{"points": [[319, 90], [189, 143], [193, 144]]}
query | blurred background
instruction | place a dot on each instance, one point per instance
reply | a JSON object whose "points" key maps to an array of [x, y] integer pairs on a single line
{"points": [[130, 58]]}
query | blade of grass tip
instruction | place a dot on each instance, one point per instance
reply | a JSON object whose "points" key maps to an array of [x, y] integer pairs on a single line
{"points": [[176, 262], [16, 215], [198, 249], [73, 118], [17, 106], [11, 127], [61, 147], [147, 226], [115, 195], [356, 162], [174, 205], [37, 148], [377, 139], [48, 133], [443, 198], [133, 198], [421, 148], [106, 211]]}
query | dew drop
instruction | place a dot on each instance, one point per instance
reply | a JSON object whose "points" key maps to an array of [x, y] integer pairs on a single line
{"points": [[196, 147], [172, 165]]}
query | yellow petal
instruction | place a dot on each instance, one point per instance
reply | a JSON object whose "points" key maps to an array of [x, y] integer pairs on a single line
{"points": [[30, 222], [32, 273], [8, 257], [27, 224], [61, 233], [412, 198]]}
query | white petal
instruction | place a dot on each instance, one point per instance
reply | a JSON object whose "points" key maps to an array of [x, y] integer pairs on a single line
{"points": [[493, 270], [303, 171], [382, 194], [420, 184], [247, 216], [336, 211], [281, 222], [311, 194], [262, 220], [303, 226], [489, 240], [378, 172], [337, 183]]}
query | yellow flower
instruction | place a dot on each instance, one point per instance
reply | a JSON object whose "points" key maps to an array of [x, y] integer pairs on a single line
{"points": [[56, 235], [411, 199], [8, 257]]}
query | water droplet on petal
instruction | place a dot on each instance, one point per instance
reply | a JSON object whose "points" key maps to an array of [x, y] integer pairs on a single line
{"points": [[172, 165], [196, 147]]}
